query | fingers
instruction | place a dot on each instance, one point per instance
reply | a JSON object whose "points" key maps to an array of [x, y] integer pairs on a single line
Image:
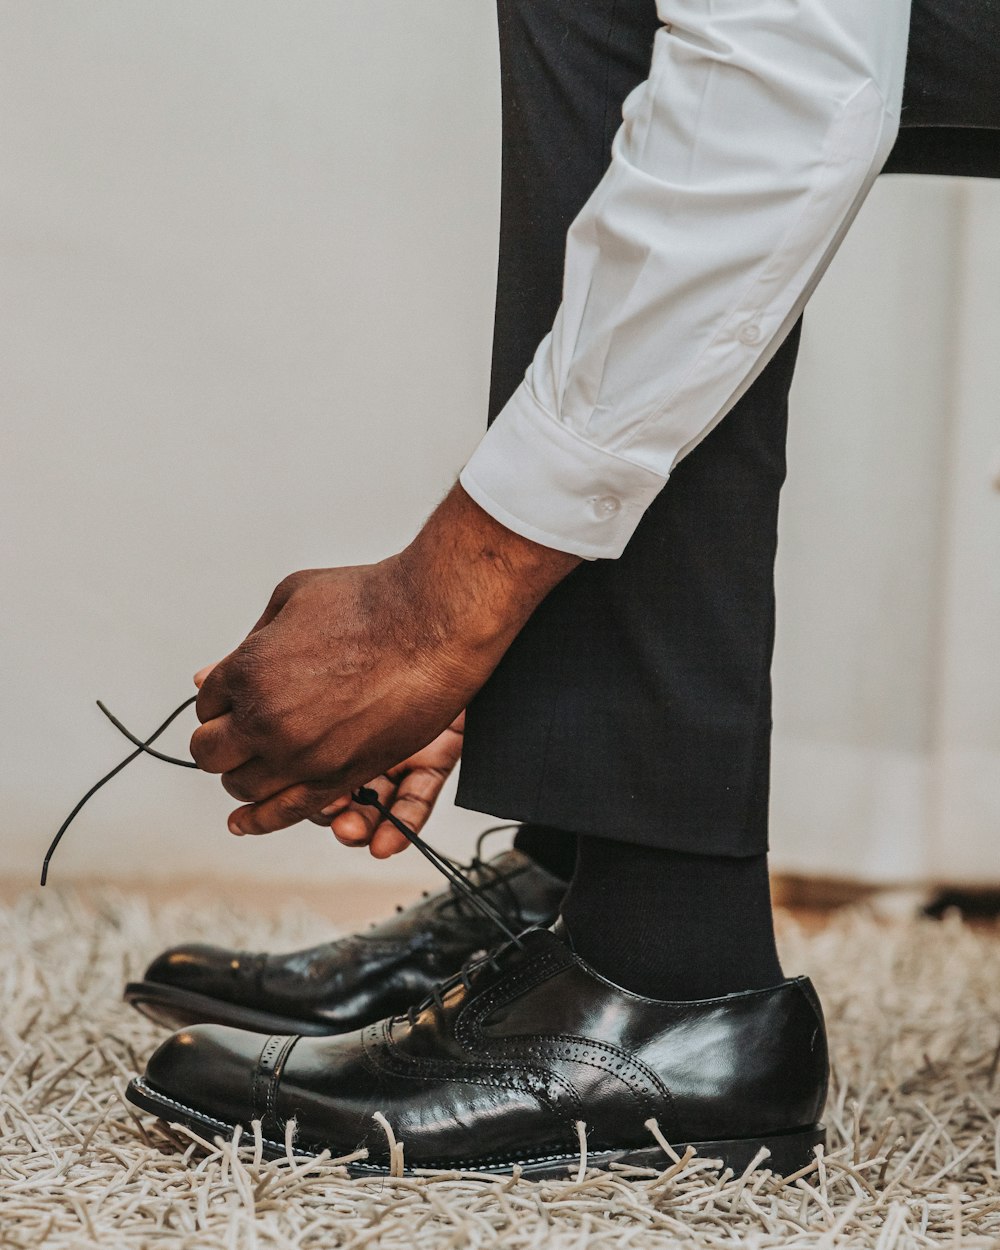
{"points": [[202, 673], [387, 841], [411, 799], [352, 823], [214, 690], [217, 748], [282, 810], [415, 798], [333, 809], [253, 781]]}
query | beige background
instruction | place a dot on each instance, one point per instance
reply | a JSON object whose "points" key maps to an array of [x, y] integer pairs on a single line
{"points": [[247, 254]]}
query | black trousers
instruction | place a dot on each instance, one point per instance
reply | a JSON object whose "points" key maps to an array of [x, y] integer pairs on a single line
{"points": [[636, 702]]}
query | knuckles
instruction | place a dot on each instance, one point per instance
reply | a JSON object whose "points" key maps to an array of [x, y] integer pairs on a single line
{"points": [[288, 586], [276, 733], [258, 720]]}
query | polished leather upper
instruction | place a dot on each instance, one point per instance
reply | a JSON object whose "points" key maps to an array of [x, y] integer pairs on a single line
{"points": [[510, 1058], [344, 984]]}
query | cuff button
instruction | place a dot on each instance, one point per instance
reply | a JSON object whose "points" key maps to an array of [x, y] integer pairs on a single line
{"points": [[604, 507]]}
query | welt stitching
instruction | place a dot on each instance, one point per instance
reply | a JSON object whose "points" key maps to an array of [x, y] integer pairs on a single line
{"points": [[200, 1115], [276, 1145]]}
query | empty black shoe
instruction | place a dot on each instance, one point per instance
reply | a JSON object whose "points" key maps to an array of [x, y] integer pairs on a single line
{"points": [[354, 980], [499, 1065]]}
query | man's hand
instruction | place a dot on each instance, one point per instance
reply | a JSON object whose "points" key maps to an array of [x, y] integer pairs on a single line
{"points": [[351, 670], [409, 790]]}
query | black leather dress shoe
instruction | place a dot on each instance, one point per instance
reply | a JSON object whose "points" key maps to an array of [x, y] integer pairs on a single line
{"points": [[500, 1064], [345, 984]]}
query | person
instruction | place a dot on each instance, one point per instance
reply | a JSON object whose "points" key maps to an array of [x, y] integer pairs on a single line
{"points": [[601, 636]]}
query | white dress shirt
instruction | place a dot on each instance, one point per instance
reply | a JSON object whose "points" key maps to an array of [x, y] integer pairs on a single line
{"points": [[739, 166]]}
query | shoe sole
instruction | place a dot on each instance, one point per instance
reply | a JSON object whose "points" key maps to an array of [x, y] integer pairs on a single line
{"points": [[789, 1152], [179, 1009]]}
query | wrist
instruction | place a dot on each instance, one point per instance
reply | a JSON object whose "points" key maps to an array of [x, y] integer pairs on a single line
{"points": [[478, 579]]}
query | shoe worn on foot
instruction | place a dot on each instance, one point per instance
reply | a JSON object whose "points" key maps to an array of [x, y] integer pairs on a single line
{"points": [[500, 1064], [345, 984]]}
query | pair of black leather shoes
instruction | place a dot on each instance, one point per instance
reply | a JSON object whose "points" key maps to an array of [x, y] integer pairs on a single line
{"points": [[497, 1066], [345, 984]]}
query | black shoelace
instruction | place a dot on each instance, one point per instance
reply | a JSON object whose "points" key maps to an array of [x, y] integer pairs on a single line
{"points": [[460, 884], [435, 997], [483, 876], [143, 748]]}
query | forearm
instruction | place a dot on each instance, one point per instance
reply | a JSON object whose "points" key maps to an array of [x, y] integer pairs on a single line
{"points": [[739, 166]]}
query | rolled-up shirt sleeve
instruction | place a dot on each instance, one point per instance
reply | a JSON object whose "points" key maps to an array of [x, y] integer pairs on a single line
{"points": [[739, 166]]}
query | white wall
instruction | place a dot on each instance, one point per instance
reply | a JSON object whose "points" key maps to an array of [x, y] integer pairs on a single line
{"points": [[248, 252], [887, 708], [247, 257]]}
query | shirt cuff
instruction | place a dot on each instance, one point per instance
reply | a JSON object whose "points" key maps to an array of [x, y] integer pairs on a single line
{"points": [[538, 478]]}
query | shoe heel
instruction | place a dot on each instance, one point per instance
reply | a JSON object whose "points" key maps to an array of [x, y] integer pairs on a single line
{"points": [[788, 1151]]}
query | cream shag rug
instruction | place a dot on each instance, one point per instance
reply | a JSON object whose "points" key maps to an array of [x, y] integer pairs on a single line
{"points": [[913, 1116]]}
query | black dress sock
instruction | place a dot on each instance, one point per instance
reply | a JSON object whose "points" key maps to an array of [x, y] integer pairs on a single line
{"points": [[552, 849], [670, 924]]}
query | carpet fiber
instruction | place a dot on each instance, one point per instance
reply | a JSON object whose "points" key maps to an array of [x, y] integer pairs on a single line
{"points": [[913, 1116]]}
